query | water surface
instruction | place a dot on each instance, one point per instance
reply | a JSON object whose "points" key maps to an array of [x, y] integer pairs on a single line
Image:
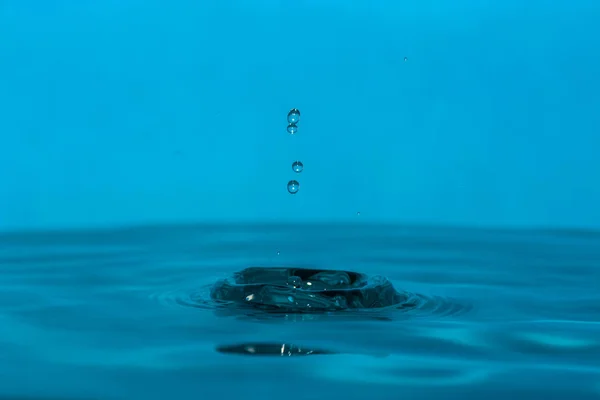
{"points": [[123, 314]]}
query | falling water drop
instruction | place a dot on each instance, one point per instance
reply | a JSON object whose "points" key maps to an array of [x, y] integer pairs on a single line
{"points": [[293, 186], [292, 129], [293, 116], [297, 166]]}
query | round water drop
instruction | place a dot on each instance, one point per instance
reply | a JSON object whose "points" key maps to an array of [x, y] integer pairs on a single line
{"points": [[292, 129], [297, 166], [293, 186], [293, 116]]}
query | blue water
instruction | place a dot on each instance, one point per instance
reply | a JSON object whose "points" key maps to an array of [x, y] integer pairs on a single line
{"points": [[124, 113], [123, 314]]}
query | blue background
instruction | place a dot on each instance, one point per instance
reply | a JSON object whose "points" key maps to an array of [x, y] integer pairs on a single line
{"points": [[116, 112]]}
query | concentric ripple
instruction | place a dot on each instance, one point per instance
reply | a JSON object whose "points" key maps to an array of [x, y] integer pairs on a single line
{"points": [[424, 306], [300, 294], [194, 298]]}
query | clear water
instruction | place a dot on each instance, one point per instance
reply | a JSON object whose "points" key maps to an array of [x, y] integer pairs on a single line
{"points": [[121, 315]]}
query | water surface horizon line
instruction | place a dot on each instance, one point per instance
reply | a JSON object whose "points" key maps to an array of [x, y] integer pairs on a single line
{"points": [[228, 225]]}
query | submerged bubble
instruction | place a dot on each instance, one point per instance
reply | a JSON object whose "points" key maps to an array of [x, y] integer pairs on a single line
{"points": [[292, 129], [297, 166], [293, 116], [293, 186]]}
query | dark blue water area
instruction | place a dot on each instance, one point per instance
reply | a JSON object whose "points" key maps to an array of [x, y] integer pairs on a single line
{"points": [[126, 314]]}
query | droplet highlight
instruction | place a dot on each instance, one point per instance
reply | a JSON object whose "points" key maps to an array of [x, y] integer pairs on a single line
{"points": [[294, 281]]}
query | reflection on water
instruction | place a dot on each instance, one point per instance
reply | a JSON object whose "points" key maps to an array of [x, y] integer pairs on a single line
{"points": [[127, 314], [271, 349]]}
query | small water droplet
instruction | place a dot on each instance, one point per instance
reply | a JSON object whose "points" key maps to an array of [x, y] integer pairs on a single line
{"points": [[297, 166], [293, 116], [293, 186], [292, 129], [278, 252], [358, 213], [294, 281], [405, 59], [290, 299]]}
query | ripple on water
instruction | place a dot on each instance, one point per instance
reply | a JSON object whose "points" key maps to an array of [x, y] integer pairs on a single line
{"points": [[299, 294], [188, 298]]}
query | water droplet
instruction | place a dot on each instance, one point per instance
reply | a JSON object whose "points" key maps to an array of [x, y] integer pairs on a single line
{"points": [[297, 166], [293, 116], [292, 129], [293, 186], [358, 213], [294, 281], [278, 252], [405, 59]]}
